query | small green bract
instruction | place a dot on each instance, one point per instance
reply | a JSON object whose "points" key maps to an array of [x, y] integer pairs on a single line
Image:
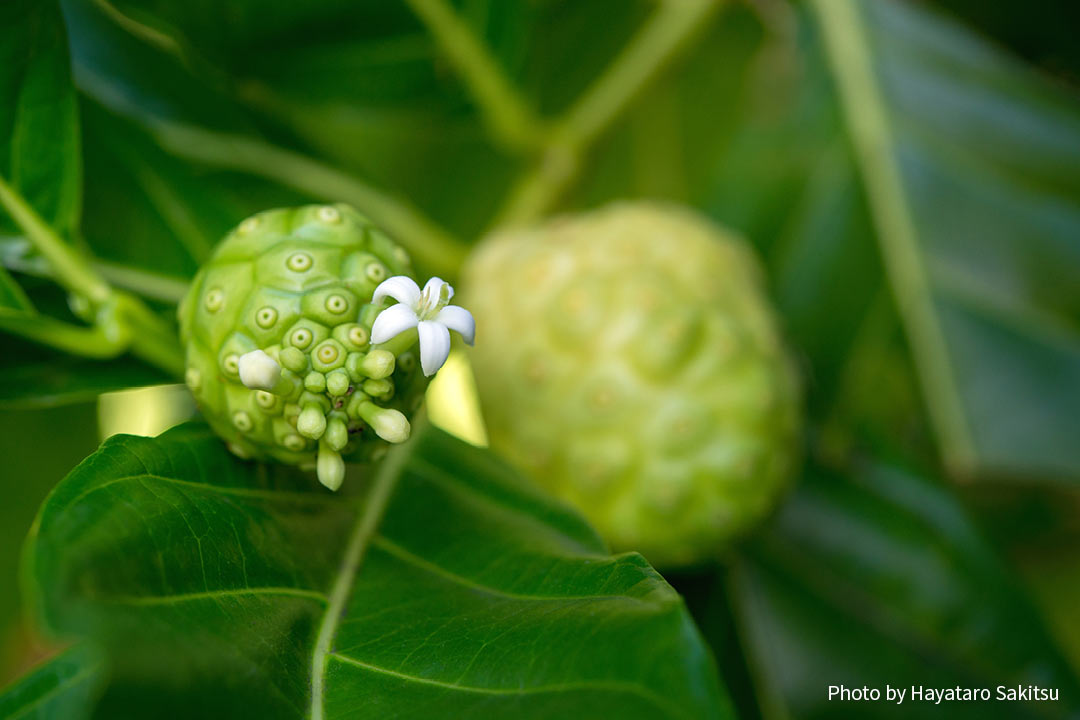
{"points": [[631, 363], [277, 328]]}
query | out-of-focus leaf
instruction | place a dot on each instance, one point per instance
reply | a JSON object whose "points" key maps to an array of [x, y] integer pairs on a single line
{"points": [[978, 230], [361, 85], [64, 688], [39, 127], [35, 376], [446, 588], [39, 448], [878, 579], [149, 210]]}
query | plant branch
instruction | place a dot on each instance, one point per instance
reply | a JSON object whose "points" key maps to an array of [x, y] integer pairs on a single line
{"points": [[145, 283], [120, 321], [867, 121], [431, 245], [72, 270], [148, 284], [670, 28], [509, 119], [92, 342]]}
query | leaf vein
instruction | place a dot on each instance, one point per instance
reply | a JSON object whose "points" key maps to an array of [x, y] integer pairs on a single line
{"points": [[599, 685]]}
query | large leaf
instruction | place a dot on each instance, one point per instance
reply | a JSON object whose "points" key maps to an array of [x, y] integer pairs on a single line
{"points": [[447, 588], [972, 167], [64, 688], [39, 132], [149, 210], [881, 579]]}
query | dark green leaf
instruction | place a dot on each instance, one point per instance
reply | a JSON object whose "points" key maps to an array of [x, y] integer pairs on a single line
{"points": [[149, 210], [447, 588], [988, 169], [64, 688], [35, 376], [882, 579], [39, 130]]}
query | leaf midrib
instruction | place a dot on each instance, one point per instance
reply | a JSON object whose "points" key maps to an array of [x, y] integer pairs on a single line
{"points": [[365, 534], [360, 538], [868, 125]]}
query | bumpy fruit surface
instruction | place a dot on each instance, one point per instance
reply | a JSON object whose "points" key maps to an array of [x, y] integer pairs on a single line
{"points": [[631, 363], [297, 284]]}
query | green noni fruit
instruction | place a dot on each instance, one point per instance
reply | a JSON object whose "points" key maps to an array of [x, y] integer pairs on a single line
{"points": [[632, 364], [277, 328]]}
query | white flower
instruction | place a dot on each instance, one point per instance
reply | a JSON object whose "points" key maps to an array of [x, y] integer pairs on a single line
{"points": [[259, 371], [426, 311]]}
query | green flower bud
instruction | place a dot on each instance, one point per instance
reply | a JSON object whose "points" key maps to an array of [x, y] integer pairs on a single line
{"points": [[271, 326], [631, 363]]}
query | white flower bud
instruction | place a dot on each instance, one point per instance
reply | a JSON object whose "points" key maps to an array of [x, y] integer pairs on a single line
{"points": [[259, 371]]}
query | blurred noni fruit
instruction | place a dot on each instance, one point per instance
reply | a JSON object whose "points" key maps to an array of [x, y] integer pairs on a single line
{"points": [[631, 363], [278, 331]]}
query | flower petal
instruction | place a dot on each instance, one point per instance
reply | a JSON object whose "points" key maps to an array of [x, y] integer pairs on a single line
{"points": [[400, 287], [433, 286], [458, 319], [391, 322], [434, 346]]}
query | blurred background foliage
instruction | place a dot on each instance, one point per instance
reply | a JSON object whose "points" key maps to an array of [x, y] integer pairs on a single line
{"points": [[933, 303]]}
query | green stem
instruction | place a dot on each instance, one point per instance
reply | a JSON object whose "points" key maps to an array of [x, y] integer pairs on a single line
{"points": [[92, 342], [148, 284], [120, 320], [152, 340], [508, 118], [72, 270], [430, 245], [670, 28], [867, 121]]}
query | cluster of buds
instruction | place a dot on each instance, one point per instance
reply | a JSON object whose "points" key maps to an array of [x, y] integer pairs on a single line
{"points": [[292, 353]]}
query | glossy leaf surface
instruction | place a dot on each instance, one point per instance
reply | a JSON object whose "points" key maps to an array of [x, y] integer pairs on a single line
{"points": [[39, 130], [446, 588]]}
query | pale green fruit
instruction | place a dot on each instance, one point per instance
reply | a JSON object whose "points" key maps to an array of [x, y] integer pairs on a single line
{"points": [[297, 283], [630, 362]]}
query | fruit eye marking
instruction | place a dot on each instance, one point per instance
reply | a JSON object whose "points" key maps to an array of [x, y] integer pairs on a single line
{"points": [[337, 304], [301, 338], [298, 262], [329, 214], [264, 399], [327, 354], [232, 363], [375, 272], [266, 317], [214, 299], [242, 421], [293, 442], [358, 336]]}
